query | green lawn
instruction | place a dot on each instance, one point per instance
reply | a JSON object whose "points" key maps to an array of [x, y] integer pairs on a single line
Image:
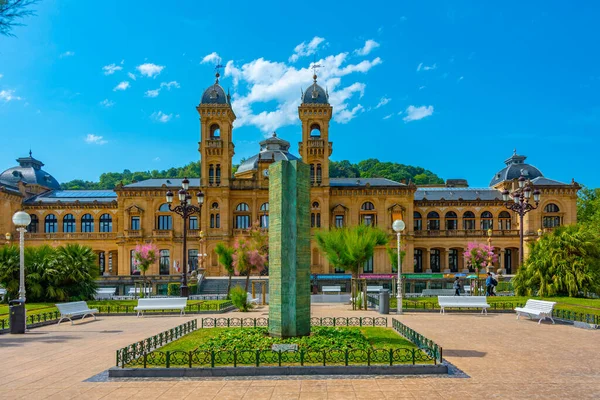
{"points": [[580, 305], [39, 308]]}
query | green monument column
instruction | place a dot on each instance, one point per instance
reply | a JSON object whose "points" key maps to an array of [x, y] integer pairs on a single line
{"points": [[289, 249]]}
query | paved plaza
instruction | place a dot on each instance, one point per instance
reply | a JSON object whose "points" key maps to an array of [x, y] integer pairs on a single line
{"points": [[502, 357]]}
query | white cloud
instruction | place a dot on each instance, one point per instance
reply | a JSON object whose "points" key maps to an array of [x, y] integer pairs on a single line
{"points": [[369, 45], [111, 69], [416, 113], [94, 139], [1, 76], [424, 67], [306, 49], [461, 78], [161, 117], [156, 159], [212, 58], [107, 103], [422, 87], [8, 95], [150, 70], [67, 54], [388, 116], [152, 93], [169, 85], [384, 100], [131, 76], [122, 86], [261, 81]]}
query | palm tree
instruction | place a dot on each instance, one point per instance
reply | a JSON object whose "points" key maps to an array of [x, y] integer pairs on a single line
{"points": [[225, 254], [350, 248], [79, 270], [564, 262], [9, 271]]}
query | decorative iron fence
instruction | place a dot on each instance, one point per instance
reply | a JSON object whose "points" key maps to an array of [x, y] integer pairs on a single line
{"points": [[575, 316], [425, 344], [34, 319], [142, 354]]}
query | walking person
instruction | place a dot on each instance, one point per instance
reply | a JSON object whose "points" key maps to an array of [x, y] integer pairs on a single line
{"points": [[488, 284], [456, 286]]}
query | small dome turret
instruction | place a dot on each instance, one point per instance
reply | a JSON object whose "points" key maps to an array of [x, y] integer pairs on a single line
{"points": [[515, 167], [29, 171], [315, 94], [215, 94]]}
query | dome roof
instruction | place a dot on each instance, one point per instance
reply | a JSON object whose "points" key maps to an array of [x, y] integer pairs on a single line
{"points": [[30, 172], [215, 94], [515, 167], [272, 148], [315, 94]]}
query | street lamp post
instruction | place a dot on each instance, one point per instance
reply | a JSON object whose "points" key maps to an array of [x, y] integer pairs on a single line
{"points": [[521, 205], [489, 265], [398, 226], [185, 209], [22, 220]]}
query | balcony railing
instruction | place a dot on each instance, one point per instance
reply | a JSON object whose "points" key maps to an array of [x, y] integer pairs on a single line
{"points": [[134, 233], [243, 184], [465, 233], [214, 143], [70, 235], [162, 233]]}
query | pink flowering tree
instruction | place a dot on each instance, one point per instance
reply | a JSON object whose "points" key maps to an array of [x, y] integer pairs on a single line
{"points": [[250, 253], [478, 255], [144, 255]]}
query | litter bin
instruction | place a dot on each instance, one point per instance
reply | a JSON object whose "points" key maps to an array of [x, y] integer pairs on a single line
{"points": [[17, 316], [384, 301]]}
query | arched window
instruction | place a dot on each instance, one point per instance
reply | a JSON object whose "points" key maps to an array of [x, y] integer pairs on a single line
{"points": [[164, 262], [215, 132], [87, 223], [551, 218], [242, 216], [264, 215], [418, 260], [487, 220], [69, 223], [418, 221], [315, 131], [211, 174], [215, 220], [164, 222], [315, 205], [105, 223], [50, 223], [312, 174], [504, 221], [367, 214], [33, 226], [469, 221], [214, 206], [218, 175], [451, 221], [315, 216], [453, 260], [433, 221]]}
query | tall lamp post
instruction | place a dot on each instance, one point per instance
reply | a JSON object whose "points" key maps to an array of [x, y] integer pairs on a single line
{"points": [[398, 226], [521, 205], [489, 234], [185, 209], [22, 220]]}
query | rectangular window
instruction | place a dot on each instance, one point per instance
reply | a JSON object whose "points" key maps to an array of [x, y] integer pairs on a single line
{"points": [[164, 262], [486, 224], [453, 260], [242, 221], [193, 223], [469, 224], [69, 227], [218, 221], [551, 222], [339, 221], [87, 226], [418, 224], [451, 224], [165, 223], [212, 220], [135, 223], [368, 266], [192, 259], [264, 221], [101, 262], [368, 219], [433, 225], [105, 226], [132, 267]]}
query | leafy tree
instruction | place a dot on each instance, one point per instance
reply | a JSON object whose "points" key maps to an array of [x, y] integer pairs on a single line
{"points": [[225, 254], [12, 10], [78, 271], [343, 169], [239, 298], [392, 253], [144, 256], [373, 168], [588, 207], [350, 248], [250, 253], [563, 262]]}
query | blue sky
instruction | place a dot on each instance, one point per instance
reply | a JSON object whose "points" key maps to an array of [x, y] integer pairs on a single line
{"points": [[450, 86]]}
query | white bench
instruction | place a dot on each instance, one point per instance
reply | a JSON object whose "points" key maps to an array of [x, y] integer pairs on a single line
{"points": [[437, 292], [167, 303], [374, 288], [539, 308], [136, 291], [331, 289], [105, 293], [74, 309], [251, 300], [463, 302]]}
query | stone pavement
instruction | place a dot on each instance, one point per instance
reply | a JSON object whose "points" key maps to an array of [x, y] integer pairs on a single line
{"points": [[503, 358]]}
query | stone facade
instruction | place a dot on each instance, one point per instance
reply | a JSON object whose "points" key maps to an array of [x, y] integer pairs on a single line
{"points": [[439, 220]]}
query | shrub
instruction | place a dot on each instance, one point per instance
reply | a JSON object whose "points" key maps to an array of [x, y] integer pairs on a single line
{"points": [[173, 289], [239, 298]]}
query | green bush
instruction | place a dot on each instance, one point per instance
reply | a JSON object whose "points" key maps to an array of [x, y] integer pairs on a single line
{"points": [[173, 289], [239, 298], [193, 288], [51, 274]]}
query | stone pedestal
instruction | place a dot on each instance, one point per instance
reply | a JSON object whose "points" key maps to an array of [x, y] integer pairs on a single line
{"points": [[289, 249]]}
